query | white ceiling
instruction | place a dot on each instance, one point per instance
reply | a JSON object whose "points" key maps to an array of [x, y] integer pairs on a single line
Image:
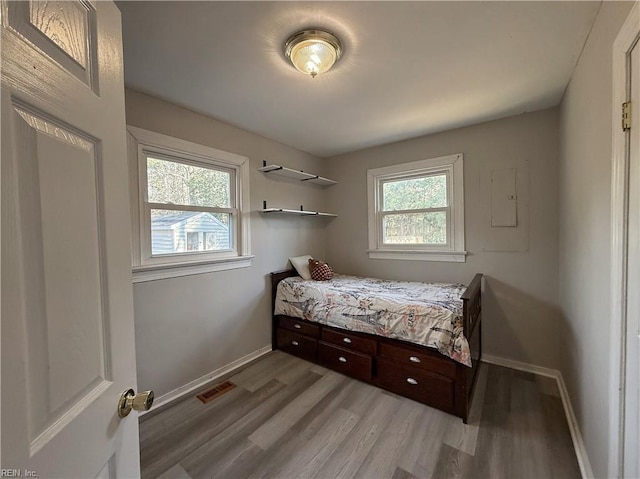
{"points": [[408, 69]]}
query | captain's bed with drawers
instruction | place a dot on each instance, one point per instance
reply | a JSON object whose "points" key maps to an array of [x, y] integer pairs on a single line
{"points": [[419, 340]]}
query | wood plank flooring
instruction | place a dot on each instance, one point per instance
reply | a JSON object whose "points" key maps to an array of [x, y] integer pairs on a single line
{"points": [[288, 418]]}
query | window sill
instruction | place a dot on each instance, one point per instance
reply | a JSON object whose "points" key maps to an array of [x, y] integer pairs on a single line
{"points": [[417, 255], [154, 272]]}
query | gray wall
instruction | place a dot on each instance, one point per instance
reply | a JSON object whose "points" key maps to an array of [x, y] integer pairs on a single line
{"points": [[585, 229], [189, 326], [521, 314]]}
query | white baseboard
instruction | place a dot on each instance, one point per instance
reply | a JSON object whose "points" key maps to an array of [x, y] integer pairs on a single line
{"points": [[576, 436], [526, 367], [201, 381]]}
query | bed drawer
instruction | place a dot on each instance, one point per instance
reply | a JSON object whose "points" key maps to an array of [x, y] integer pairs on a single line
{"points": [[349, 341], [297, 344], [406, 356], [347, 362], [299, 326], [422, 386]]}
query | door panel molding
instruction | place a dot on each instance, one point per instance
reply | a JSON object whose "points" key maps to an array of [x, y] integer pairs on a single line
{"points": [[67, 339], [65, 31]]}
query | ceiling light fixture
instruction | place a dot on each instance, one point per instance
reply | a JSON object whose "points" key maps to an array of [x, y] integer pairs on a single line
{"points": [[313, 51]]}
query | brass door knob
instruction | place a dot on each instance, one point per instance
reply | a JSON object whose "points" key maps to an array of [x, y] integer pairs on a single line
{"points": [[130, 400]]}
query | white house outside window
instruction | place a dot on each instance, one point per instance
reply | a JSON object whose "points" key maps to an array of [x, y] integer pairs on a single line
{"points": [[189, 202], [416, 210]]}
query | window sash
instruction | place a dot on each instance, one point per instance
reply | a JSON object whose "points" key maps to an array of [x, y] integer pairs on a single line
{"points": [[204, 163], [380, 214], [147, 236], [414, 211], [431, 246], [209, 209], [414, 176], [146, 207]]}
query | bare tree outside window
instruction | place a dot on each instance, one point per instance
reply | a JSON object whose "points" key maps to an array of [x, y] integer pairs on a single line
{"points": [[182, 184]]}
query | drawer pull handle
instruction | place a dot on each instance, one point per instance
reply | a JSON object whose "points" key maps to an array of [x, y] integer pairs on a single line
{"points": [[412, 381], [342, 359], [297, 326], [346, 340], [413, 359], [295, 343]]}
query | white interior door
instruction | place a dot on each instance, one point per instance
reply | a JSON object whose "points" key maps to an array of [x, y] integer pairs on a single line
{"points": [[632, 389], [67, 315]]}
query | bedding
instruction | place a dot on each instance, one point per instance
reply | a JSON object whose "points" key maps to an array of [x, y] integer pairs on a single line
{"points": [[429, 314], [301, 265]]}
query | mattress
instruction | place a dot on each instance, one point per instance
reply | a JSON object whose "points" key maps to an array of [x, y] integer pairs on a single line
{"points": [[428, 314]]}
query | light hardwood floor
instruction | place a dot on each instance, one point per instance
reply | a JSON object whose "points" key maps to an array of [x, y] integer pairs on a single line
{"points": [[292, 419]]}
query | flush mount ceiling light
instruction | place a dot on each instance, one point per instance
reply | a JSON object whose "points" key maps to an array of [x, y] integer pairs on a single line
{"points": [[313, 51]]}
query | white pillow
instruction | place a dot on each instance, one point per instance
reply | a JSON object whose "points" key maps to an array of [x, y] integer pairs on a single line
{"points": [[301, 264]]}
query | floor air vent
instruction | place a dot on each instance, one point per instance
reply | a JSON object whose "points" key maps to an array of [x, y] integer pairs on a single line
{"points": [[215, 391]]}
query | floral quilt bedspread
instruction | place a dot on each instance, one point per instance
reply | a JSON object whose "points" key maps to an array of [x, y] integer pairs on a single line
{"points": [[429, 314]]}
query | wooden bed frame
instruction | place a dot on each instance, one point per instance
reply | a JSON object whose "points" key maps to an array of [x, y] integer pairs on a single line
{"points": [[408, 369]]}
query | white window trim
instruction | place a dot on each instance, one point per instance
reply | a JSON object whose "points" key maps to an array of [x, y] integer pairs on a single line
{"points": [[452, 252], [148, 268]]}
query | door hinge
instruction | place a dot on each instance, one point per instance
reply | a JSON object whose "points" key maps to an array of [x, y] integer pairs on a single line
{"points": [[626, 116]]}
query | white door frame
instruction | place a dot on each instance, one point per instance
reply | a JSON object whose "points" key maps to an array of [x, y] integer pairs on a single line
{"points": [[624, 43]]}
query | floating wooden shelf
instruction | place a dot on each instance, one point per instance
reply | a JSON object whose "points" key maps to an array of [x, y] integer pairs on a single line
{"points": [[296, 174], [300, 212]]}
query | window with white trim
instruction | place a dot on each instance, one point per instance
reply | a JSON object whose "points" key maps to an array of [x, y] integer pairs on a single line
{"points": [[189, 207], [416, 210]]}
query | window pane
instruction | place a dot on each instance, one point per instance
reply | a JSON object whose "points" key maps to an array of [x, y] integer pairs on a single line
{"points": [[415, 193], [193, 240], [184, 231], [415, 228], [180, 184]]}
